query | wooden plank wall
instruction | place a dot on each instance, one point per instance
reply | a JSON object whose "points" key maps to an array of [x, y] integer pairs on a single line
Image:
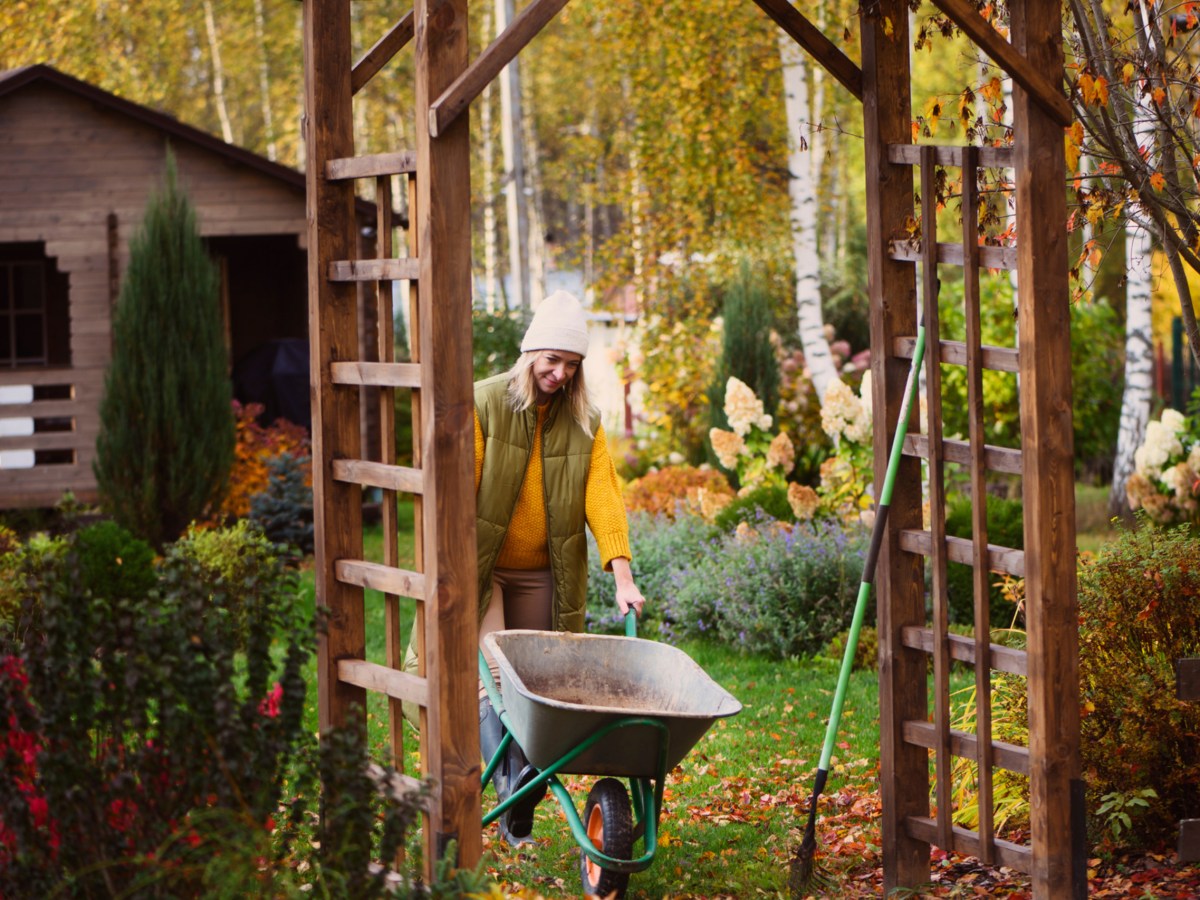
{"points": [[66, 164]]}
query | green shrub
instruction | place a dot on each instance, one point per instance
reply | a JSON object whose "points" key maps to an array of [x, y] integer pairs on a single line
{"points": [[113, 562], [18, 592], [866, 654], [146, 755], [664, 550], [1006, 528], [781, 590], [496, 340], [769, 501], [240, 564], [142, 733], [1139, 605], [284, 511]]}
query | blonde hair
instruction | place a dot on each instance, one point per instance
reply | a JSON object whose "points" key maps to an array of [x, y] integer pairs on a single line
{"points": [[522, 390]]}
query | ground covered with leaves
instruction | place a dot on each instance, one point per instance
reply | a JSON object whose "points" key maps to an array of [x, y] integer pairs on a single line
{"points": [[849, 853]]}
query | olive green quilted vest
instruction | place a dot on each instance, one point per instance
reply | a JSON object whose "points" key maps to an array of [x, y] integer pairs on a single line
{"points": [[566, 458]]}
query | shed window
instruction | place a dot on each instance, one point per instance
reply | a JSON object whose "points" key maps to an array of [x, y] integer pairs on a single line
{"points": [[33, 309]]}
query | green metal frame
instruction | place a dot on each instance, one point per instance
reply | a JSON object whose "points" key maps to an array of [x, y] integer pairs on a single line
{"points": [[646, 794]]}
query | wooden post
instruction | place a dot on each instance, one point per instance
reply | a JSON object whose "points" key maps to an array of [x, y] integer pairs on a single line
{"points": [[899, 579], [447, 403], [1044, 328], [333, 336], [1187, 687]]}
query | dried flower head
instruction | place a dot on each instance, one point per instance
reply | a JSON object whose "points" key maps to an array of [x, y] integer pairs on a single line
{"points": [[781, 454], [728, 446], [803, 500]]}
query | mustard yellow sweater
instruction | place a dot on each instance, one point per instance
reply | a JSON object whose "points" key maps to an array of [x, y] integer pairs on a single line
{"points": [[526, 546]]}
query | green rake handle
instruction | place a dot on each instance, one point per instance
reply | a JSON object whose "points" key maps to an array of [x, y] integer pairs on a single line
{"points": [[868, 575]]}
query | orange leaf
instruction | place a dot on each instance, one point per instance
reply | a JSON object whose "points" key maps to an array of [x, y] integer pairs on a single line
{"points": [[1159, 95], [1158, 181]]}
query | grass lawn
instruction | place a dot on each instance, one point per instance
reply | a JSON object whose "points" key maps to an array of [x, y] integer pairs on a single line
{"points": [[733, 805]]}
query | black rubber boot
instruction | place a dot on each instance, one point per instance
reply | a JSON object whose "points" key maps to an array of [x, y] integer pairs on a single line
{"points": [[491, 732], [521, 772]]}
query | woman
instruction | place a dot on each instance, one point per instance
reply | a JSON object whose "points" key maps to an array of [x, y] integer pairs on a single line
{"points": [[542, 470]]}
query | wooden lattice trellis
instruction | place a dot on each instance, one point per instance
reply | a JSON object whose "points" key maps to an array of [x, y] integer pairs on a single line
{"points": [[443, 580]]}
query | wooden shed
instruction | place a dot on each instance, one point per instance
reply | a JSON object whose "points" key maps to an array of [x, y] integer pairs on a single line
{"points": [[77, 165]]}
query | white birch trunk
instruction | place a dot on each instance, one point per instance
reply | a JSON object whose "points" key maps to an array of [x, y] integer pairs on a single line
{"points": [[1139, 363], [514, 169], [1139, 348], [802, 190], [491, 241], [214, 49], [264, 80], [537, 220]]}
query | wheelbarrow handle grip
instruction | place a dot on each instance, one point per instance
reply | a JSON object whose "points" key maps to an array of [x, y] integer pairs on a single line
{"points": [[631, 624]]}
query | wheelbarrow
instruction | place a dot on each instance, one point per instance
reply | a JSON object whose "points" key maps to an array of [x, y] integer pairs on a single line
{"points": [[617, 707]]}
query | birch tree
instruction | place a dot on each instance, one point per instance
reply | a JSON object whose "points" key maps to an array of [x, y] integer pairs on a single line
{"points": [[1130, 77], [802, 190]]}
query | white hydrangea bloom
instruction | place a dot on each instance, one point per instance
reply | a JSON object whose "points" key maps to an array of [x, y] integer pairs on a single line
{"points": [[1179, 478], [1173, 420], [742, 408]]}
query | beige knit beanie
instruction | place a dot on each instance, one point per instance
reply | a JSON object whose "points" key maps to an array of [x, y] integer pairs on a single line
{"points": [[558, 324]]}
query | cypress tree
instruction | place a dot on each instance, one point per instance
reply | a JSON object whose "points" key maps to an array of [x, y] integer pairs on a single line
{"points": [[166, 438], [747, 353]]}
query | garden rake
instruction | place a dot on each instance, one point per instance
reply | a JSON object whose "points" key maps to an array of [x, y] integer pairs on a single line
{"points": [[804, 873]]}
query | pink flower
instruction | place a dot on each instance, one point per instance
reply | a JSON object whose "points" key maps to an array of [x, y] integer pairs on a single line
{"points": [[269, 706]]}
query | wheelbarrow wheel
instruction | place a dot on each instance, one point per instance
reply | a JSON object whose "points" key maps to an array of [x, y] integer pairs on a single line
{"points": [[608, 819]]}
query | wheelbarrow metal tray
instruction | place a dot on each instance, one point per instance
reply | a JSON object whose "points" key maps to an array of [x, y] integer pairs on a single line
{"points": [[560, 688]]}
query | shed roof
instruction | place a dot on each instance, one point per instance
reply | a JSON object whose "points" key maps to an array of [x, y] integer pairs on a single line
{"points": [[14, 80]]}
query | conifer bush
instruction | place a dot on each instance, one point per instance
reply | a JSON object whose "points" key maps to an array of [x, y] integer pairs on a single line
{"points": [[747, 351], [166, 437]]}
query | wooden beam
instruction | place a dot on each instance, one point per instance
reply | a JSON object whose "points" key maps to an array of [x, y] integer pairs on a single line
{"points": [[333, 335], [819, 47], [450, 621], [997, 359], [384, 680], [381, 578], [399, 162], [376, 474], [381, 374], [1012, 757], [379, 55], [467, 86], [1189, 841], [1041, 89], [403, 268], [1057, 815], [959, 550], [1015, 856], [995, 459], [1004, 258], [963, 649], [1187, 679], [900, 576], [986, 157]]}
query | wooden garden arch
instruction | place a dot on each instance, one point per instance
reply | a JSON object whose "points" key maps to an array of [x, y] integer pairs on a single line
{"points": [[437, 265]]}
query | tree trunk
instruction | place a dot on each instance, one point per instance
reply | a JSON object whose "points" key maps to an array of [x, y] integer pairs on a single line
{"points": [[214, 49], [1139, 364], [264, 80], [491, 240], [802, 189], [535, 211], [514, 170]]}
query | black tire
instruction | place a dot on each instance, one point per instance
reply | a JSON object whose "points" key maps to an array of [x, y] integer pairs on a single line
{"points": [[608, 820]]}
